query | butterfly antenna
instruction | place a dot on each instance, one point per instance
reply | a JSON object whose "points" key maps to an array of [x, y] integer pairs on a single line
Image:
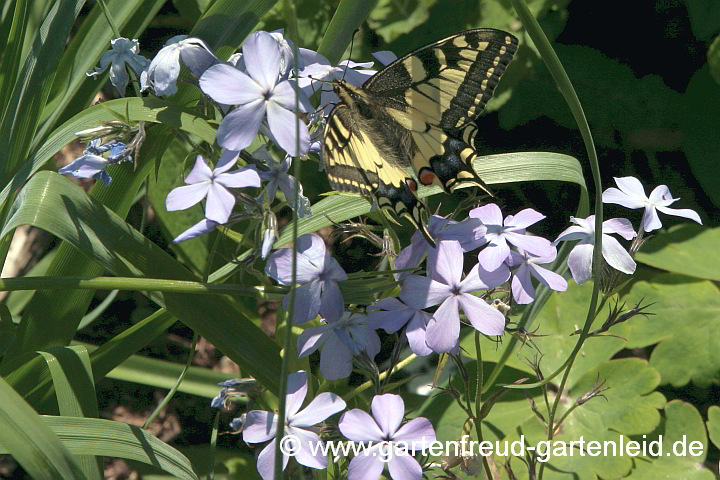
{"points": [[352, 43]]}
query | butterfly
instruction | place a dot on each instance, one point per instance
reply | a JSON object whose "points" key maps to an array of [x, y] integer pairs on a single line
{"points": [[415, 114]]}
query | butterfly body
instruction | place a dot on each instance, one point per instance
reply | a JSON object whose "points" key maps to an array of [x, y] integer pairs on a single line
{"points": [[415, 115]]}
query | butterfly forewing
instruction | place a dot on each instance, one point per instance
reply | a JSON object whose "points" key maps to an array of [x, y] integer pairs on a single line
{"points": [[356, 164], [437, 91], [415, 113]]}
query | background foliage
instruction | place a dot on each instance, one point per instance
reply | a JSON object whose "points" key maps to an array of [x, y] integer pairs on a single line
{"points": [[651, 93]]}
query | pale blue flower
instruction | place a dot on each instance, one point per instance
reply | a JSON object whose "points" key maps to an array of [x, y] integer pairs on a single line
{"points": [[385, 431], [527, 265], [341, 340], [213, 184], [277, 177], [163, 71], [391, 315], [259, 94], [580, 258], [320, 274], [446, 287], [123, 52], [260, 426], [498, 233], [631, 194], [95, 160]]}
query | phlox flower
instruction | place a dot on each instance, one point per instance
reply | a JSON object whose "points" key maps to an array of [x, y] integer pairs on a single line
{"points": [[259, 93], [94, 164], [580, 258], [163, 71], [631, 194], [341, 340], [446, 288], [498, 233], [261, 426], [392, 444], [213, 184], [123, 51], [277, 177], [318, 271], [391, 315], [529, 265]]}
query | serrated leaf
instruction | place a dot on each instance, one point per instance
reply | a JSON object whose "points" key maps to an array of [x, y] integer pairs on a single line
{"points": [[683, 249]]}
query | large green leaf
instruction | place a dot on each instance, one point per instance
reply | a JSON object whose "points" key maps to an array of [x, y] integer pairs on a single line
{"points": [[348, 17], [72, 377], [138, 110], [713, 424], [683, 249], [26, 437], [30, 92], [92, 436], [686, 322], [55, 204], [683, 426], [72, 89]]}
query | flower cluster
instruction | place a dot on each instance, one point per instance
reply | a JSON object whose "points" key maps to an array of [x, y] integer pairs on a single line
{"points": [[301, 425], [265, 92]]}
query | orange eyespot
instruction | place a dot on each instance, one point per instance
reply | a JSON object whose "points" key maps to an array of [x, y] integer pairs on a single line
{"points": [[426, 176], [412, 184]]}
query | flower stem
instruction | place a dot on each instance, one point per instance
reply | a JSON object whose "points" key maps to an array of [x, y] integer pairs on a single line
{"points": [[478, 401], [565, 86], [280, 434]]}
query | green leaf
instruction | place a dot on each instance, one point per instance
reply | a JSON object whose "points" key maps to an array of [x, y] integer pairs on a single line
{"points": [[348, 17], [390, 19], [714, 59], [683, 425], [25, 436], [72, 377], [92, 436], [139, 109], [713, 424], [701, 138], [30, 92], [53, 203], [686, 322], [163, 374], [704, 18], [227, 22], [172, 170], [683, 249]]}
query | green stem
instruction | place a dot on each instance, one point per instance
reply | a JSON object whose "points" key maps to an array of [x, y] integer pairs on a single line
{"points": [[358, 390], [139, 284], [280, 434], [565, 86], [175, 387], [478, 401], [116, 32]]}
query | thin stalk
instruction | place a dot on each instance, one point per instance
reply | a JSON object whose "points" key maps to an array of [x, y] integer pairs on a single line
{"points": [[478, 401], [565, 86], [116, 32], [358, 390], [139, 284], [280, 434], [175, 387]]}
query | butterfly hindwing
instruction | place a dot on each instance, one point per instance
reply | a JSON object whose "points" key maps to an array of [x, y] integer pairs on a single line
{"points": [[357, 162], [439, 90]]}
